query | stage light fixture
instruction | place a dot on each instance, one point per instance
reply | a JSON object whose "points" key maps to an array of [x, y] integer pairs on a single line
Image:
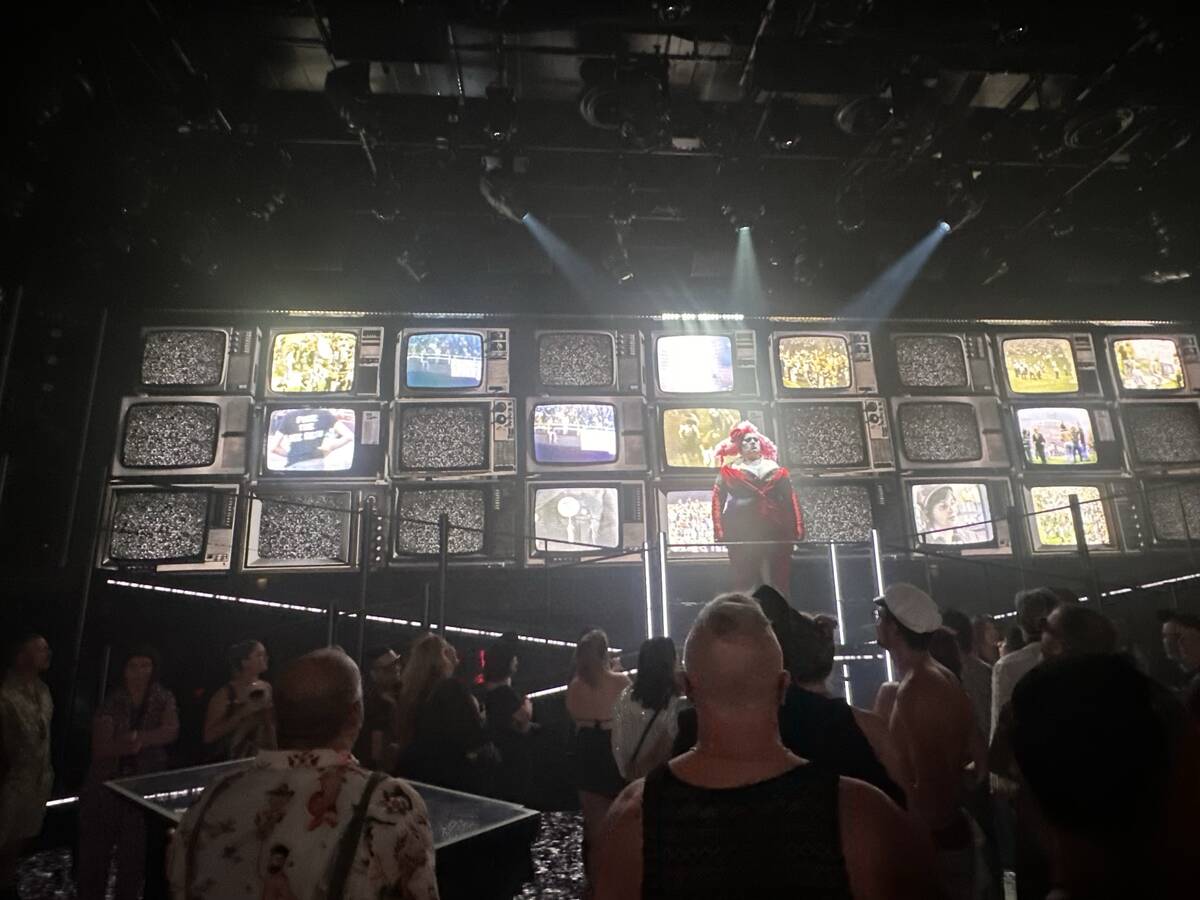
{"points": [[631, 98], [865, 116], [501, 188], [998, 271], [501, 114], [1095, 129], [741, 199], [348, 88], [850, 208], [783, 125], [413, 259], [1168, 266], [964, 200], [843, 13], [618, 263], [671, 11]]}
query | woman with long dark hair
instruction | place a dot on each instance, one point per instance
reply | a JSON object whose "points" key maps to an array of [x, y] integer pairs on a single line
{"points": [[130, 736], [646, 714], [238, 722]]}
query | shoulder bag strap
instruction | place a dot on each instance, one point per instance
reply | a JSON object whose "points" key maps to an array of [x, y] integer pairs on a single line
{"points": [[642, 739], [348, 844]]}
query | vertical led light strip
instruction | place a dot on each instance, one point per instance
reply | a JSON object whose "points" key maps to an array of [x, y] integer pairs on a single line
{"points": [[649, 589], [662, 562], [841, 618], [877, 559]]}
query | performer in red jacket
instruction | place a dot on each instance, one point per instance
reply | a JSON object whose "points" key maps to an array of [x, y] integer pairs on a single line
{"points": [[753, 500]]}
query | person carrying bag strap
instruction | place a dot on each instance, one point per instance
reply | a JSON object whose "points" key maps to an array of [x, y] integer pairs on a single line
{"points": [[347, 845], [642, 740]]}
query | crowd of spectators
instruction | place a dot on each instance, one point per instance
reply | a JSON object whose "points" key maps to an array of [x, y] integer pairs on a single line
{"points": [[736, 770]]}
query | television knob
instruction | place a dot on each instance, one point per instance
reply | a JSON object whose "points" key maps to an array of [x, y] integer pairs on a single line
{"points": [[873, 418]]}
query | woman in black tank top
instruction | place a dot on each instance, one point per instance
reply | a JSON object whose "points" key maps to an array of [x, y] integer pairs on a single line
{"points": [[776, 838]]}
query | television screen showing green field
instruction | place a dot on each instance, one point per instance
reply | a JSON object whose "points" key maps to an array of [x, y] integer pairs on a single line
{"points": [[313, 362], [1057, 436], [814, 362], [1053, 516], [1149, 364], [1040, 366]]}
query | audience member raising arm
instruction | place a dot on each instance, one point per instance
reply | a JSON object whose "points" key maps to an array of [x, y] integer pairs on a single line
{"points": [[238, 720]]}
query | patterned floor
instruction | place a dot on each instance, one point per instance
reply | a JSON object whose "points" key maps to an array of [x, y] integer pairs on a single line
{"points": [[556, 860]]}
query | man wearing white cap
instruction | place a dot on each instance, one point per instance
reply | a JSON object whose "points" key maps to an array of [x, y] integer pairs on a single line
{"points": [[934, 729]]}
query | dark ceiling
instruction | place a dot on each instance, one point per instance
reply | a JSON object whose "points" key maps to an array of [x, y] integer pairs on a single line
{"points": [[330, 154]]}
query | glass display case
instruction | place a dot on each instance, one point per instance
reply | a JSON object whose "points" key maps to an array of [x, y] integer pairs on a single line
{"points": [[482, 844]]}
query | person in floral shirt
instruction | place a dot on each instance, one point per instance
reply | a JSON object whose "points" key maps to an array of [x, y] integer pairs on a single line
{"points": [[306, 822]]}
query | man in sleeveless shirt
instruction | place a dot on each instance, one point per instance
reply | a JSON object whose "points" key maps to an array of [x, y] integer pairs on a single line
{"points": [[741, 816], [934, 728]]}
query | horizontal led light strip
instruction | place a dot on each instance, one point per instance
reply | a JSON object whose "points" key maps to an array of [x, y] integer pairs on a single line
{"points": [[849, 657], [316, 610]]}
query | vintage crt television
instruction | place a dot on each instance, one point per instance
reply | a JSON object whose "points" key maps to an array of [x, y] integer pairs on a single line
{"points": [[710, 363], [1173, 506], [1074, 435], [453, 438], [336, 440], [315, 528], [323, 361], [452, 361], [688, 433], [685, 514], [1048, 364], [1162, 436], [961, 513], [1154, 365], [949, 432], [813, 363], [603, 434], [198, 359], [162, 528], [834, 436], [584, 519], [588, 361], [844, 510], [182, 436], [1109, 507], [485, 514], [943, 363]]}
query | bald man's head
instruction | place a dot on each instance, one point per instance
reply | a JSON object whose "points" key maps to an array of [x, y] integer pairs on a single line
{"points": [[732, 658], [318, 701]]}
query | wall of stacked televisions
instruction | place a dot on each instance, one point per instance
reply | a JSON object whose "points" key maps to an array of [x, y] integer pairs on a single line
{"points": [[321, 444]]}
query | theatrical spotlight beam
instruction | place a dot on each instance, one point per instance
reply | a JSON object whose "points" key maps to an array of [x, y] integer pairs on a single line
{"points": [[880, 298], [579, 273], [747, 280]]}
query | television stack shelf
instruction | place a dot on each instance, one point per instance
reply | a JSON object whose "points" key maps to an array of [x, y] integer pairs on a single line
{"points": [[178, 472], [256, 448]]}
